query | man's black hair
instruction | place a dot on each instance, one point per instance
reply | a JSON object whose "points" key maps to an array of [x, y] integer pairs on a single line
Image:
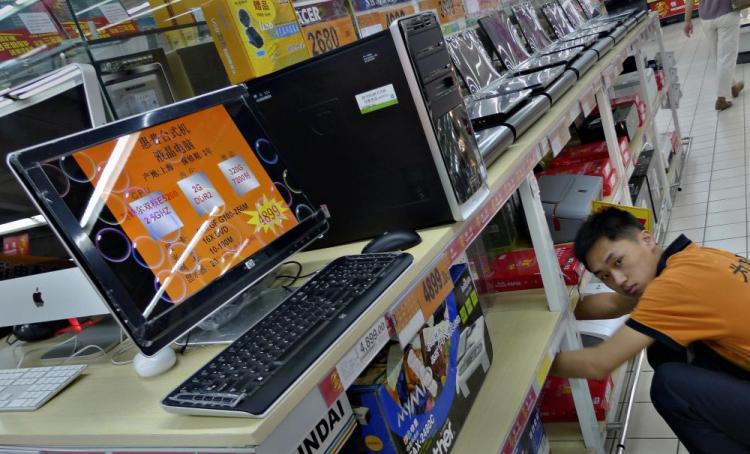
{"points": [[610, 223]]}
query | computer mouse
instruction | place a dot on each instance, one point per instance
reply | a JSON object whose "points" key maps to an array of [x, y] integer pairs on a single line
{"points": [[34, 331], [395, 240]]}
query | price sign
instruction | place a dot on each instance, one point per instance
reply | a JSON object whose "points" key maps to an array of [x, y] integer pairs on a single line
{"points": [[380, 20], [423, 300], [355, 361], [325, 36]]}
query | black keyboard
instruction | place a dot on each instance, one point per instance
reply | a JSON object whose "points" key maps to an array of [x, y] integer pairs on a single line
{"points": [[252, 373]]}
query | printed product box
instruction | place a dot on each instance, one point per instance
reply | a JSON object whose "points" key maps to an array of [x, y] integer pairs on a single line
{"points": [[325, 24], [416, 400], [576, 154], [556, 400], [254, 37], [31, 27], [533, 440], [519, 270]]}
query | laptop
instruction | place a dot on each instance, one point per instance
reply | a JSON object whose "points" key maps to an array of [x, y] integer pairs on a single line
{"points": [[532, 29]]}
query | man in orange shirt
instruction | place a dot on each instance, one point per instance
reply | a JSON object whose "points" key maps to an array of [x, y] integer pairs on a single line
{"points": [[688, 304]]}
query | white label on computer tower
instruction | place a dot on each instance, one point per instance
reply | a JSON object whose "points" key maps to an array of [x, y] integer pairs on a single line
{"points": [[239, 175], [376, 99], [199, 190], [157, 214]]}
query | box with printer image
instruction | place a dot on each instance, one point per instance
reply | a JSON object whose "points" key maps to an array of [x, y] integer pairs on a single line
{"points": [[415, 400]]}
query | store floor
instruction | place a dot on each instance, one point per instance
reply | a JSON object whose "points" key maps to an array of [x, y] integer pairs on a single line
{"points": [[712, 208]]}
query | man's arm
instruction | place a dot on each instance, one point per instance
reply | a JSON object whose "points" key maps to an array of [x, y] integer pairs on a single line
{"points": [[604, 305], [598, 362], [688, 18]]}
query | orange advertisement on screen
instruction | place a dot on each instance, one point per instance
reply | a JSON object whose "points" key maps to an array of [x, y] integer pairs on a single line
{"points": [[191, 196]]}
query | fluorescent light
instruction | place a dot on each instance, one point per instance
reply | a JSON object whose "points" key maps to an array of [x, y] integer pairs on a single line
{"points": [[22, 224]]}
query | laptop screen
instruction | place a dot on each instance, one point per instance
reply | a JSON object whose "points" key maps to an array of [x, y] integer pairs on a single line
{"points": [[573, 12], [173, 215], [557, 19], [531, 27], [505, 39]]}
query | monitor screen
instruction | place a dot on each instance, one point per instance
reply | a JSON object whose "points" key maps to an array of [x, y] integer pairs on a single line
{"points": [[39, 277], [557, 19], [505, 39], [531, 26], [172, 213]]}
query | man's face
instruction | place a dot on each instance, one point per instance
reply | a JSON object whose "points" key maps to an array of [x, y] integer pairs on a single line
{"points": [[626, 265]]}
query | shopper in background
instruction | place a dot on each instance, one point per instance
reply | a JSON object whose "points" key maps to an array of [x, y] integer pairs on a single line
{"points": [[722, 28], [690, 305]]}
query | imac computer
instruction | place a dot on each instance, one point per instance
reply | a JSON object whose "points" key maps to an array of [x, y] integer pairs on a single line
{"points": [[46, 285], [194, 204]]}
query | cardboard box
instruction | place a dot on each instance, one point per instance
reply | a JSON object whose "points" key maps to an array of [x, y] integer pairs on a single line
{"points": [[254, 37], [556, 400], [326, 25], [601, 167], [566, 200], [519, 270], [576, 154], [417, 400]]}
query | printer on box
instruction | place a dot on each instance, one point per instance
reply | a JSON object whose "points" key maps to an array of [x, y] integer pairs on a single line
{"points": [[416, 400], [567, 202]]}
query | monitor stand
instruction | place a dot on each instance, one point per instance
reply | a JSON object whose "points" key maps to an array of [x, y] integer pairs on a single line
{"points": [[105, 334], [248, 316]]}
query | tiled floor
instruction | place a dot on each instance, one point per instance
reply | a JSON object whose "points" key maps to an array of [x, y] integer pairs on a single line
{"points": [[712, 208]]}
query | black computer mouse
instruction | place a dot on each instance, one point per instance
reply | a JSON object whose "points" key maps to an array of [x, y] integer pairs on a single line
{"points": [[34, 331], [395, 240], [253, 37]]}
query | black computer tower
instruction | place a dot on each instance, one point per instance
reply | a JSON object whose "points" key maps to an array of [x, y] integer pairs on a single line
{"points": [[376, 131]]}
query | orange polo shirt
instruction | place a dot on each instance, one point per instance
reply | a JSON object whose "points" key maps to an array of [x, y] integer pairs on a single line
{"points": [[699, 294]]}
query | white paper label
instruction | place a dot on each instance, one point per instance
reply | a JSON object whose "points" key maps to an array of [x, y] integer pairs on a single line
{"points": [[203, 197], [556, 145], [38, 23], [156, 214], [370, 30], [363, 352], [239, 175], [376, 99], [472, 6], [114, 12]]}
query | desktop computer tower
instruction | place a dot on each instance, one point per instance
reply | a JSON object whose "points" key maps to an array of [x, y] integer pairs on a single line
{"points": [[377, 131]]}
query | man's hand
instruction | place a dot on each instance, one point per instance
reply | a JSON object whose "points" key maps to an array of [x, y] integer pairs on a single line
{"points": [[598, 362], [688, 28]]}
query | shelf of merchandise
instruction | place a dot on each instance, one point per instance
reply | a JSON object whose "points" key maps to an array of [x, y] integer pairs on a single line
{"points": [[525, 337]]}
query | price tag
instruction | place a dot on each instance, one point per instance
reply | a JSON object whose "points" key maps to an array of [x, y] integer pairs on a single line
{"points": [[544, 367], [355, 361], [520, 423], [556, 145], [423, 300], [322, 37], [587, 103]]}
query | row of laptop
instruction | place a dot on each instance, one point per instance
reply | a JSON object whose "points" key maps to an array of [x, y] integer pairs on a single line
{"points": [[513, 70]]}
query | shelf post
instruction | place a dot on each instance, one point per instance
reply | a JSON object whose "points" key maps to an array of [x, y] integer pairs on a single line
{"points": [[613, 145], [593, 437], [554, 285]]}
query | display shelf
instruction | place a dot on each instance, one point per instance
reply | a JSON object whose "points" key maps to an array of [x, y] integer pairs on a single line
{"points": [[520, 334], [521, 341]]}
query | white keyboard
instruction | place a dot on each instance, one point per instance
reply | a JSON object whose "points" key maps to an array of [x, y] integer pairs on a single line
{"points": [[29, 389]]}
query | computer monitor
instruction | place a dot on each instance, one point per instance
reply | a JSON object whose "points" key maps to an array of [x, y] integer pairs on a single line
{"points": [[46, 285], [173, 213]]}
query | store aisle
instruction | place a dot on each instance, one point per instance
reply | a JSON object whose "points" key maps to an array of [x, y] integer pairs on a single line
{"points": [[712, 207]]}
